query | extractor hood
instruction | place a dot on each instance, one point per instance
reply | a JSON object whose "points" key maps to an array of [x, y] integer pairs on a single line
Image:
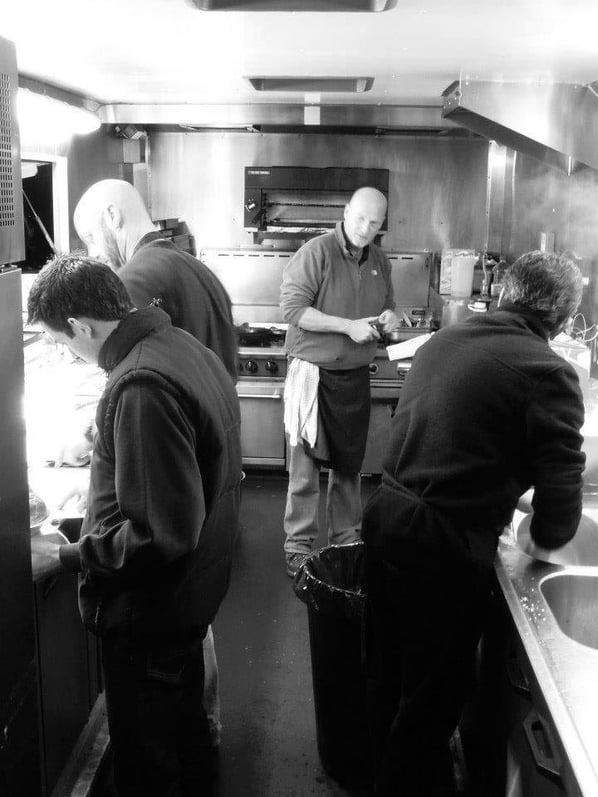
{"points": [[290, 117], [553, 122]]}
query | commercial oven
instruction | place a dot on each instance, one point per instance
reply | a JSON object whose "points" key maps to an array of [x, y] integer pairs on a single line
{"points": [[260, 388], [252, 278], [299, 202]]}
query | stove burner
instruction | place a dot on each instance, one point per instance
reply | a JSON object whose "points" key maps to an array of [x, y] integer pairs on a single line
{"points": [[260, 337]]}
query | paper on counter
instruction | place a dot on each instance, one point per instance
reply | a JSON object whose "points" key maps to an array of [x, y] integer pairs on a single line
{"points": [[407, 348]]}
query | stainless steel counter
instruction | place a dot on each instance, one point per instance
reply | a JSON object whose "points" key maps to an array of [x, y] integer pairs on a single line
{"points": [[566, 671]]}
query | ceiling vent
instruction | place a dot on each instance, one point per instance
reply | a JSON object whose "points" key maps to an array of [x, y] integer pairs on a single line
{"points": [[355, 85], [295, 5]]}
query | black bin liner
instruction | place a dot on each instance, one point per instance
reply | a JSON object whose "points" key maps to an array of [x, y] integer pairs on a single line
{"points": [[331, 583]]}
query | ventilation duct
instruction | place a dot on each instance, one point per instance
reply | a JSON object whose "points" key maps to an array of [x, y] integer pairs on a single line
{"points": [[554, 122], [356, 85], [289, 117], [294, 5]]}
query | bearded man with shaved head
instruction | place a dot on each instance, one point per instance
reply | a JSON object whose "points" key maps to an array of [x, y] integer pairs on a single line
{"points": [[112, 221], [334, 289]]}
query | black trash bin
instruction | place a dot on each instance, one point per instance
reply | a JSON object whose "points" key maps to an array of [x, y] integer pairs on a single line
{"points": [[331, 583]]}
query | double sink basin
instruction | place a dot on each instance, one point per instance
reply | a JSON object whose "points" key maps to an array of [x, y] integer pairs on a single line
{"points": [[570, 593]]}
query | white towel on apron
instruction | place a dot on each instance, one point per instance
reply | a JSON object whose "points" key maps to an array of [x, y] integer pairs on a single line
{"points": [[301, 402]]}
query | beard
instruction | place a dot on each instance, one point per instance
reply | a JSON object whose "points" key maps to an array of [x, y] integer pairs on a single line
{"points": [[110, 252]]}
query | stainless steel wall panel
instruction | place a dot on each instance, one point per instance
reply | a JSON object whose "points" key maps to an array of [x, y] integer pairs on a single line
{"points": [[437, 186], [252, 279]]}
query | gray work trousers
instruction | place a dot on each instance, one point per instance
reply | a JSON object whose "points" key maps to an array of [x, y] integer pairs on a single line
{"points": [[343, 504]]}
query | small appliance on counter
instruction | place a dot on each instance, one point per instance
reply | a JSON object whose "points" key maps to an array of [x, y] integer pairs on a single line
{"points": [[456, 272]]}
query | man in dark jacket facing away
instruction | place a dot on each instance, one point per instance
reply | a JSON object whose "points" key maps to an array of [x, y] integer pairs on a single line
{"points": [[155, 549], [487, 411], [112, 221]]}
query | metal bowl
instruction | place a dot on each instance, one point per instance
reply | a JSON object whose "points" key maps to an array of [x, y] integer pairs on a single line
{"points": [[573, 600]]}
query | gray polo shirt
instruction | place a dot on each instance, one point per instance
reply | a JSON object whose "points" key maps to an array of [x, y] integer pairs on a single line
{"points": [[326, 275]]}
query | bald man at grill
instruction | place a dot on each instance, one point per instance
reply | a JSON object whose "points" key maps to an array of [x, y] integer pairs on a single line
{"points": [[334, 289]]}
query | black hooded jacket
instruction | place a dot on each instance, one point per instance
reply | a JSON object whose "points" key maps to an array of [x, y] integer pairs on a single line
{"points": [[162, 514], [187, 290], [487, 411]]}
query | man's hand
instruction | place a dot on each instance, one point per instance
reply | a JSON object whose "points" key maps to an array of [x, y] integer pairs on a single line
{"points": [[75, 442], [362, 331], [552, 555], [74, 501], [75, 452], [389, 321]]}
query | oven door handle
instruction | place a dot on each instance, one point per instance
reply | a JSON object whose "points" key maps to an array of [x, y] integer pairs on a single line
{"points": [[270, 397]]}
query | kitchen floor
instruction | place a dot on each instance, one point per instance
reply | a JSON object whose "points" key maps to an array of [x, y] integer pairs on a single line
{"points": [[261, 635], [268, 746]]}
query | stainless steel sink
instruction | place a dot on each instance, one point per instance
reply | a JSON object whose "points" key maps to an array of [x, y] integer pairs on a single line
{"points": [[573, 600], [581, 550]]}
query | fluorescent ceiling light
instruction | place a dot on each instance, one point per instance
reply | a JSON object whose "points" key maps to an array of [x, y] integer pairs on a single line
{"points": [[42, 116], [356, 85], [294, 5]]}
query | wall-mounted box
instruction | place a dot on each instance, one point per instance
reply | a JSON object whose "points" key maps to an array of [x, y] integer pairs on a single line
{"points": [[125, 150]]}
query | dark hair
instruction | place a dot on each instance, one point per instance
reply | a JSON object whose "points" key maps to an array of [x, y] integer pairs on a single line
{"points": [[75, 286], [545, 284]]}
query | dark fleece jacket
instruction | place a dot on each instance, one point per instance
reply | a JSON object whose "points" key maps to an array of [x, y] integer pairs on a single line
{"points": [[487, 411], [187, 290], [162, 513]]}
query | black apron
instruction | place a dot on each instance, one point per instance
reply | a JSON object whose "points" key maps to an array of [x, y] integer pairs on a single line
{"points": [[343, 419]]}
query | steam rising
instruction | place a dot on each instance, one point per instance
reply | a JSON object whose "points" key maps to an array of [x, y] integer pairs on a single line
{"points": [[546, 200]]}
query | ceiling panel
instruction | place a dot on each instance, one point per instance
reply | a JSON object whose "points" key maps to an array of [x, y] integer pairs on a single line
{"points": [[168, 51]]}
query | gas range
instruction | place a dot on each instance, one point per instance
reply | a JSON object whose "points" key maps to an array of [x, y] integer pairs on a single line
{"points": [[263, 362], [261, 351], [270, 362], [265, 359]]}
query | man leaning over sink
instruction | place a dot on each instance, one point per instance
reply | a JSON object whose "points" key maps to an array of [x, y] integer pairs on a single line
{"points": [[487, 411]]}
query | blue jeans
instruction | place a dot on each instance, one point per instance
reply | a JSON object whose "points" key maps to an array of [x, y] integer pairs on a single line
{"points": [[158, 727], [343, 504]]}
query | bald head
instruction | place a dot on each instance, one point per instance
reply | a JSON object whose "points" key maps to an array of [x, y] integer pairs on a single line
{"points": [[111, 218], [364, 215]]}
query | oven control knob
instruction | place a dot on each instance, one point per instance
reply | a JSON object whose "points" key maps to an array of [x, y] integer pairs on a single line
{"points": [[271, 366], [373, 369], [251, 366]]}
